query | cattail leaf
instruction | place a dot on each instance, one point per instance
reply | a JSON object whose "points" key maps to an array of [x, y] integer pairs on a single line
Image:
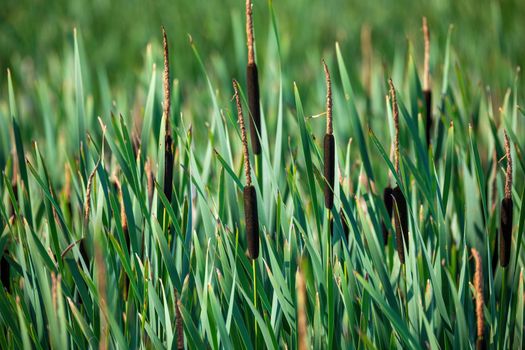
{"points": [[305, 141], [400, 327], [354, 116]]}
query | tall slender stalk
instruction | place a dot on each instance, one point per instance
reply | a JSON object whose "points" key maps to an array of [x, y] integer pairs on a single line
{"points": [[427, 91], [252, 82], [250, 196], [329, 145], [400, 206], [168, 139]]}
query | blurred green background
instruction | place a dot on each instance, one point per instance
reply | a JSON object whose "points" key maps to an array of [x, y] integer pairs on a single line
{"points": [[489, 40]]}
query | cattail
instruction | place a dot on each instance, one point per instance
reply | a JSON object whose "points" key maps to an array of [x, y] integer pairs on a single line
{"points": [[329, 145], [400, 206], [250, 196], [388, 199], [302, 333], [427, 91], [478, 287], [506, 210], [168, 140], [252, 83], [5, 272]]}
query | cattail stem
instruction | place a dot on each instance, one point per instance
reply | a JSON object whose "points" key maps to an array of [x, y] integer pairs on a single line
{"points": [[506, 210], [252, 83], [328, 145], [250, 196], [168, 139], [478, 287]]}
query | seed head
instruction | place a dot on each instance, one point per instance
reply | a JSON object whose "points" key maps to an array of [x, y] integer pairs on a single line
{"points": [[478, 286], [508, 177], [426, 73], [249, 32], [240, 120], [329, 127], [395, 113]]}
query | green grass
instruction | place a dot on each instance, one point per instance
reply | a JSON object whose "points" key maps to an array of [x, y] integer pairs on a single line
{"points": [[89, 283]]}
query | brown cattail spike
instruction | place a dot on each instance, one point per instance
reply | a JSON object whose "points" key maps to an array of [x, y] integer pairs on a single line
{"points": [[251, 216], [329, 146], [5, 271], [168, 140], [252, 221], [427, 91], [478, 287], [252, 83], [395, 113], [400, 222], [506, 211]]}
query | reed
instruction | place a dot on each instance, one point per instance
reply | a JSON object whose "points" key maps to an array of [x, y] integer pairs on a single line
{"points": [[250, 196], [427, 91], [478, 287], [329, 145], [400, 206], [252, 83], [168, 139], [506, 210]]}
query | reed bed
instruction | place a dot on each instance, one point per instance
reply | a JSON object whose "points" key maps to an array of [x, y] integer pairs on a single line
{"points": [[131, 215]]}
